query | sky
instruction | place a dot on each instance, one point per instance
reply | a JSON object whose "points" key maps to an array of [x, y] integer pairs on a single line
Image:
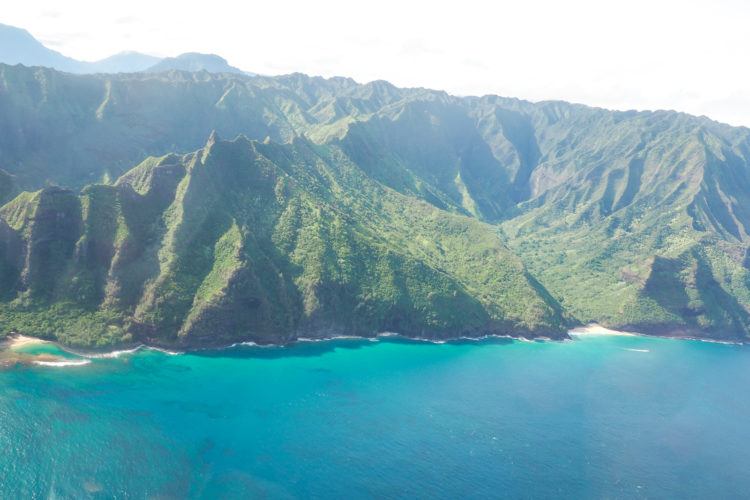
{"points": [[687, 55]]}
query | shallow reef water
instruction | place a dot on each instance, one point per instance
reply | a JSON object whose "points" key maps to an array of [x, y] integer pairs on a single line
{"points": [[597, 416]]}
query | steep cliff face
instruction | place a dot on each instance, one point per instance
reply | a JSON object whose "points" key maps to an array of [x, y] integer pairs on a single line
{"points": [[600, 237], [593, 202], [76, 130], [257, 241]]}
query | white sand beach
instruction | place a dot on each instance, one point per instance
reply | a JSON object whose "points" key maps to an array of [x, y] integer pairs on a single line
{"points": [[15, 342], [599, 330]]}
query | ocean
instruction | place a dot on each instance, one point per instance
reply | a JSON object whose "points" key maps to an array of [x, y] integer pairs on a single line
{"points": [[597, 416]]}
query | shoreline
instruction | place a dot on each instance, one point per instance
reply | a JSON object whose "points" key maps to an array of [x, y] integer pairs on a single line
{"points": [[597, 330], [15, 342], [18, 341]]}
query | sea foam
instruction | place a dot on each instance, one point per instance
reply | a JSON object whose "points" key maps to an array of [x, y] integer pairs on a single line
{"points": [[58, 364]]}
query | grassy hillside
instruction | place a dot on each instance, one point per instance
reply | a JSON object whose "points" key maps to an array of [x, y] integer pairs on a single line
{"points": [[652, 237], [633, 219], [257, 241]]}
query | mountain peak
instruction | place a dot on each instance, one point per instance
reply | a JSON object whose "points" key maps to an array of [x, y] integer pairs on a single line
{"points": [[18, 46], [213, 138], [193, 62], [126, 62]]}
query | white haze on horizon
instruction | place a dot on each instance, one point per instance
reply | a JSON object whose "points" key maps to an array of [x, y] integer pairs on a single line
{"points": [[688, 55]]}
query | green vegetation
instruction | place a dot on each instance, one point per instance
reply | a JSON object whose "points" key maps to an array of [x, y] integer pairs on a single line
{"points": [[353, 209], [66, 323], [245, 240]]}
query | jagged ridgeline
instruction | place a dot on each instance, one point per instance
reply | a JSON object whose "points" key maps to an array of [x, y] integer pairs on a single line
{"points": [[256, 241], [633, 219]]}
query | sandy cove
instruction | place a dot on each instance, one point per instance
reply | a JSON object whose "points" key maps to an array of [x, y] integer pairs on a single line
{"points": [[595, 329], [15, 342]]}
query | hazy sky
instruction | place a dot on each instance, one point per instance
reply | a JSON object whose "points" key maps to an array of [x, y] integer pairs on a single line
{"points": [[689, 55]]}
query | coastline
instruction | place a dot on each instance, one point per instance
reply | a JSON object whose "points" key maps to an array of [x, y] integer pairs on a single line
{"points": [[12, 354], [595, 329], [18, 341], [15, 342]]}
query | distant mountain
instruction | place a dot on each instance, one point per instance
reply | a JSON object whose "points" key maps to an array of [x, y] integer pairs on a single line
{"points": [[17, 46], [124, 62], [359, 208], [193, 61]]}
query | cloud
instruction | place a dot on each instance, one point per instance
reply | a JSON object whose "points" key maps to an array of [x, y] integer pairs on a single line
{"points": [[419, 47], [733, 109], [52, 43], [127, 20], [59, 39], [473, 63]]}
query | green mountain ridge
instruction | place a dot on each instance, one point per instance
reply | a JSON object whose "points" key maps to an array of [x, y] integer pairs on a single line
{"points": [[257, 241], [636, 220]]}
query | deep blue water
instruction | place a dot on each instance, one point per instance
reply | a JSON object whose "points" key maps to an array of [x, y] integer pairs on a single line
{"points": [[387, 419]]}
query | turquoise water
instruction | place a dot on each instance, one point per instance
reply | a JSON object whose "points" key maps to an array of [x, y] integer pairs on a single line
{"points": [[595, 417]]}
